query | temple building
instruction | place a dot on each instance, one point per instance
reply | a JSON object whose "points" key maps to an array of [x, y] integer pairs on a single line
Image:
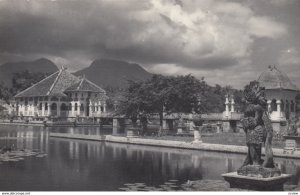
{"points": [[63, 95], [282, 95]]}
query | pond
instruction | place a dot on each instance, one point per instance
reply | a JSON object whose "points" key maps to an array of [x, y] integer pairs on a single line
{"points": [[54, 164]]}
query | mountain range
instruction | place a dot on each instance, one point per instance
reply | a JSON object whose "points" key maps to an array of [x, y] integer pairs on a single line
{"points": [[113, 73], [103, 72]]}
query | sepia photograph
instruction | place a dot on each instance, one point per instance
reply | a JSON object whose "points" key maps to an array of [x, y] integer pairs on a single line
{"points": [[149, 96]]}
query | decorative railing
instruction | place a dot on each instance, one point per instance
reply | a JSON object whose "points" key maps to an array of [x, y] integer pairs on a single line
{"points": [[64, 113], [212, 116]]}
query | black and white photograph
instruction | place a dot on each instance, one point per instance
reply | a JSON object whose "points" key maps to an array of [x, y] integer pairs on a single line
{"points": [[149, 96]]}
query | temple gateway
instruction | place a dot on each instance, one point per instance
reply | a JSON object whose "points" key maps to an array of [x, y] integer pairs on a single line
{"points": [[61, 95]]}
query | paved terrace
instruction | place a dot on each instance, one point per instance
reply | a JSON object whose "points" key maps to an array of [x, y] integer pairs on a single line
{"points": [[172, 144]]}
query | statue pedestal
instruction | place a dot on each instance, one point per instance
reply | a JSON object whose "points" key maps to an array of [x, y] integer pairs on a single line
{"points": [[197, 136], [255, 183], [132, 132]]}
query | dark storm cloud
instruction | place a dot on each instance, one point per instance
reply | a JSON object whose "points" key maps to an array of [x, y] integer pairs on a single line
{"points": [[197, 35]]}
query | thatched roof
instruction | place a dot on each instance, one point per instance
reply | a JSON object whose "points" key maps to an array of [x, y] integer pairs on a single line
{"points": [[275, 79]]}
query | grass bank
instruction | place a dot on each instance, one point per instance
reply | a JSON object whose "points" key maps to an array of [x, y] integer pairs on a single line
{"points": [[238, 139]]}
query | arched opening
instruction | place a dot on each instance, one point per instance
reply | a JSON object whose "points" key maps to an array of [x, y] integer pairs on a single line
{"points": [[76, 107], [273, 105], [63, 107], [53, 109], [53, 106], [40, 106], [81, 108], [46, 106]]}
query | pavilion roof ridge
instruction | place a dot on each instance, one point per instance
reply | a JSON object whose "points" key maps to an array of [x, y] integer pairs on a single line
{"points": [[82, 79], [55, 81]]}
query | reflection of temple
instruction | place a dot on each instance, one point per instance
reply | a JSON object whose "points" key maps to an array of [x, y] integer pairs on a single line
{"points": [[28, 137], [63, 95], [281, 95]]}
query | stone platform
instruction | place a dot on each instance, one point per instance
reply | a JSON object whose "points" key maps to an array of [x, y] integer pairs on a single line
{"points": [[255, 183]]}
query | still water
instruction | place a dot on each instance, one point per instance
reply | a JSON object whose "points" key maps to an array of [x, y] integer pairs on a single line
{"points": [[75, 165]]}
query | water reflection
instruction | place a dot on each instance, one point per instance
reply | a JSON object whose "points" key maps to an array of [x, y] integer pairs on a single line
{"points": [[87, 165], [94, 130], [27, 137]]}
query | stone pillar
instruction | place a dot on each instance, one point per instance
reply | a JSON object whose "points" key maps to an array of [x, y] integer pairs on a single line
{"points": [[115, 126], [58, 107], [72, 108], [20, 109], [86, 112], [232, 104], [278, 102], [269, 105], [43, 108], [29, 109], [226, 106], [104, 107], [97, 109], [78, 107], [91, 108], [49, 108]]}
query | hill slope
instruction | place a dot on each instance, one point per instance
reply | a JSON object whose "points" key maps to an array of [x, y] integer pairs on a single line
{"points": [[113, 73], [41, 65]]}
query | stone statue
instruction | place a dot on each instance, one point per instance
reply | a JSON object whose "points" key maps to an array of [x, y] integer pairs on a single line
{"points": [[292, 127], [259, 131]]}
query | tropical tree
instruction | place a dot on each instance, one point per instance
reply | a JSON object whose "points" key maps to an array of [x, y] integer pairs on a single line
{"points": [[163, 94], [24, 79]]}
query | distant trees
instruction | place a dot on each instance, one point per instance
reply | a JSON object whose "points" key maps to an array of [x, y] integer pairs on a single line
{"points": [[171, 94], [23, 80], [5, 93], [20, 81]]}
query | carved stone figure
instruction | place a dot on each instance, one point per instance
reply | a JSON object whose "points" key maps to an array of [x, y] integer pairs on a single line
{"points": [[292, 127], [259, 131]]}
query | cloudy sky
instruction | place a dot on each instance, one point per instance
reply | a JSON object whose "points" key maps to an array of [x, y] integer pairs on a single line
{"points": [[227, 42]]}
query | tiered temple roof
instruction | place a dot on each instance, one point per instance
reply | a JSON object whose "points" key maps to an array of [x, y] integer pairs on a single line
{"points": [[58, 83]]}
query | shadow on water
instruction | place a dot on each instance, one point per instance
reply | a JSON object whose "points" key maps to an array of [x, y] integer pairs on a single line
{"points": [[76, 165]]}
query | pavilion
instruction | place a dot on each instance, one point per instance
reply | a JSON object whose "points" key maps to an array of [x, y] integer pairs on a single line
{"points": [[62, 95], [281, 94]]}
